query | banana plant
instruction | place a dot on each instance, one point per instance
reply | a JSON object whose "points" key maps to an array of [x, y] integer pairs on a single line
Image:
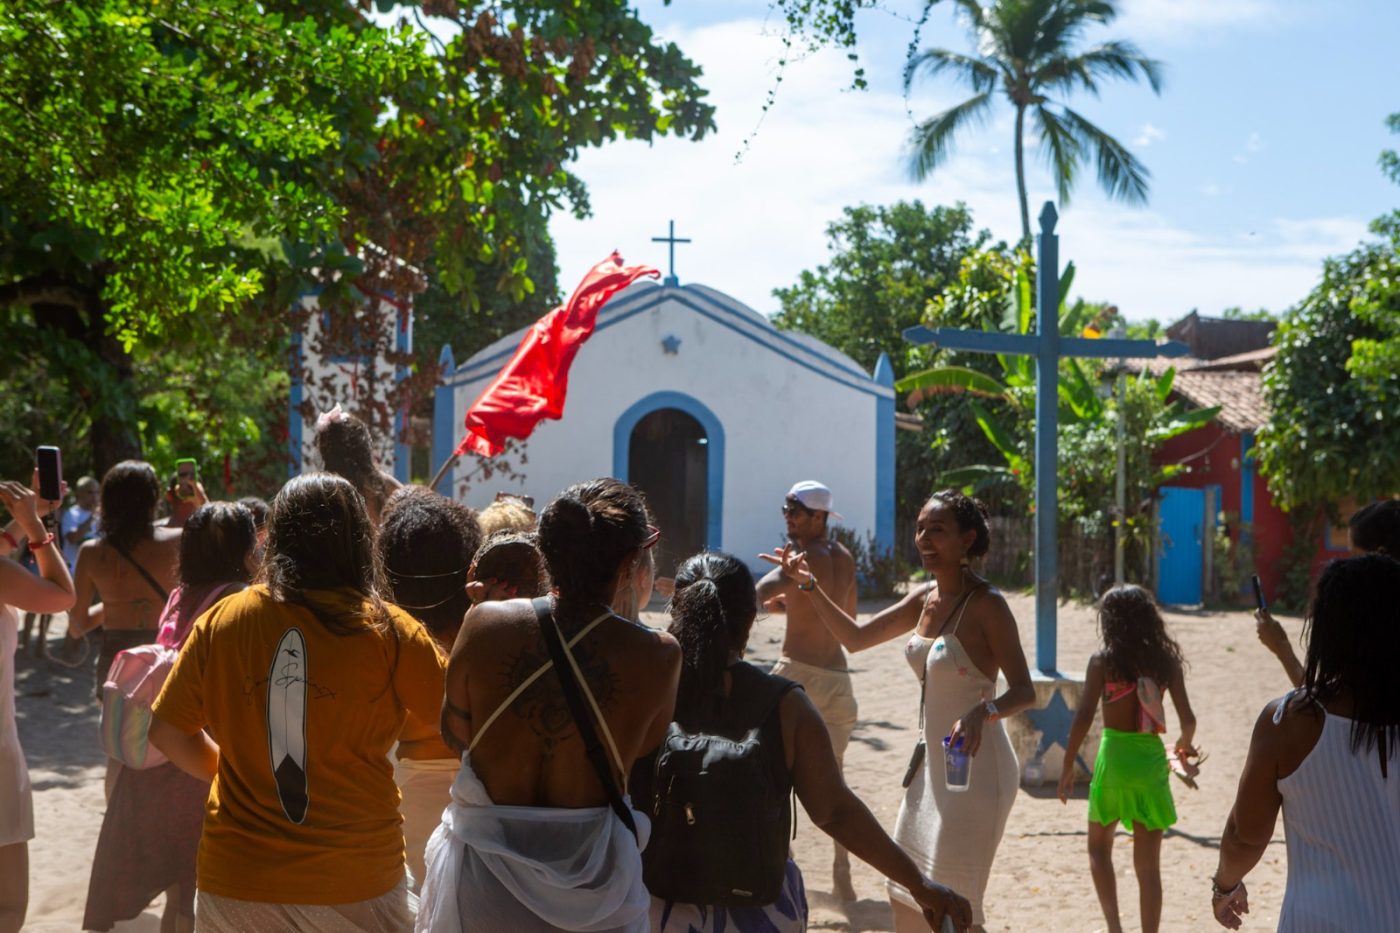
{"points": [[1079, 399]]}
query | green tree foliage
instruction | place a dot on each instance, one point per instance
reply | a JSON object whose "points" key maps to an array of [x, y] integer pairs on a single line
{"points": [[888, 267], [1029, 52], [1332, 433], [166, 166], [1375, 357]]}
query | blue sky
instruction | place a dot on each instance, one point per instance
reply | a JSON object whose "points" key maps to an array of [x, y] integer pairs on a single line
{"points": [[1262, 147]]}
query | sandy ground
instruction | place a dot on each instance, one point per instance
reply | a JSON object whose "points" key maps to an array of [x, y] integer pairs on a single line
{"points": [[1040, 880]]}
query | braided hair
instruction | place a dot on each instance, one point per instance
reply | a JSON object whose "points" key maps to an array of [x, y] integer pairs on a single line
{"points": [[711, 613]]}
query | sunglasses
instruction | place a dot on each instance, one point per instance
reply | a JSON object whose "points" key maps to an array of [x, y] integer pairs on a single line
{"points": [[527, 501], [790, 509]]}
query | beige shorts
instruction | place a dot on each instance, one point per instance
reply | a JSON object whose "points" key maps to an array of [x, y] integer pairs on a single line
{"points": [[388, 913], [425, 790], [830, 692]]}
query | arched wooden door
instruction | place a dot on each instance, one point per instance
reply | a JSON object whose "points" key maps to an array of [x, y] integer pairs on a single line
{"points": [[668, 460]]}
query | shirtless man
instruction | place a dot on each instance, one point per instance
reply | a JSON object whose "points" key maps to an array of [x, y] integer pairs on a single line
{"points": [[811, 656]]}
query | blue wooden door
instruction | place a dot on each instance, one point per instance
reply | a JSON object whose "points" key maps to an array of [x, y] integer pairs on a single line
{"points": [[1181, 548]]}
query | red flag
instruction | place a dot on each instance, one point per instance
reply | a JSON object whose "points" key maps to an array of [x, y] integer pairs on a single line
{"points": [[532, 386]]}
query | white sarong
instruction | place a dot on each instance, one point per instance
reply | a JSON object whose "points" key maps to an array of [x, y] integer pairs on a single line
{"points": [[527, 869]]}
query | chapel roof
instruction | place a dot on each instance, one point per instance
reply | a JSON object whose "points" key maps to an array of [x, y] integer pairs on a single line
{"points": [[640, 296]]}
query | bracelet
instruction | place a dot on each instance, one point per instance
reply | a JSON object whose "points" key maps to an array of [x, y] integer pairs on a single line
{"points": [[993, 714], [10, 539], [42, 542], [811, 583], [1216, 892]]}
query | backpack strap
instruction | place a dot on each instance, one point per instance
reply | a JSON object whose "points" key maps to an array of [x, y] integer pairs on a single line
{"points": [[569, 678], [165, 597]]}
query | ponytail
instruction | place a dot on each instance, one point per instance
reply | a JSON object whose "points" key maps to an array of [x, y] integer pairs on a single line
{"points": [[698, 623]]}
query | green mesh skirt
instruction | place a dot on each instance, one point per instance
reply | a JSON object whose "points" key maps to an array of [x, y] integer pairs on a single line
{"points": [[1130, 784]]}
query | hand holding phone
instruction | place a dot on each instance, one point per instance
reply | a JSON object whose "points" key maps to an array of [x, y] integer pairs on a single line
{"points": [[1258, 594]]}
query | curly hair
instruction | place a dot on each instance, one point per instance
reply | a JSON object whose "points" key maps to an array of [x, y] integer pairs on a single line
{"points": [[509, 514], [1353, 641], [712, 612], [1135, 639], [513, 558], [130, 493], [426, 542], [587, 531], [970, 514]]}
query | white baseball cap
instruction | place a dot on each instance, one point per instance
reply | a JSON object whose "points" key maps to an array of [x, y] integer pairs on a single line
{"points": [[815, 496]]}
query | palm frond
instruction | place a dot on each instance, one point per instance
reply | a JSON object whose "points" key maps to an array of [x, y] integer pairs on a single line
{"points": [[1114, 59], [932, 140], [1120, 173], [1063, 151], [977, 74]]}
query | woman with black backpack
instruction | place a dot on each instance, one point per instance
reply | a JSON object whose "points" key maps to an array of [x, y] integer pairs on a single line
{"points": [[718, 855]]}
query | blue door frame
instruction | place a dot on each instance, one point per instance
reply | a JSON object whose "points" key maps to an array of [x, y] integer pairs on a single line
{"points": [[714, 464]]}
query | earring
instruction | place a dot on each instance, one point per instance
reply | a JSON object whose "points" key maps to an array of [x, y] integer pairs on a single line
{"points": [[962, 561]]}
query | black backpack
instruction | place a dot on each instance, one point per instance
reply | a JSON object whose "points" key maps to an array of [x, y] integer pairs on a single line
{"points": [[721, 804]]}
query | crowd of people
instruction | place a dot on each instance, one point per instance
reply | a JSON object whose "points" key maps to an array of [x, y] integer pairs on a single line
{"points": [[369, 707]]}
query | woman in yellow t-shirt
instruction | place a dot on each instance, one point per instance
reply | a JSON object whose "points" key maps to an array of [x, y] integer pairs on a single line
{"points": [[303, 683]]}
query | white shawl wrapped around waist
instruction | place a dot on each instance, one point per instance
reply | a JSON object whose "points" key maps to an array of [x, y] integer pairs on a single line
{"points": [[531, 868]]}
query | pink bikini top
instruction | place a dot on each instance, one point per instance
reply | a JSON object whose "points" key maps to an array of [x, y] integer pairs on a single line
{"points": [[1152, 717]]}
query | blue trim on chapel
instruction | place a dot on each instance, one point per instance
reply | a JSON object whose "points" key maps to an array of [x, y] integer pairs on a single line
{"points": [[444, 418], [486, 363], [884, 457], [714, 466]]}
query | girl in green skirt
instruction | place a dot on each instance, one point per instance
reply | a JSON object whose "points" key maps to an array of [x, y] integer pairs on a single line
{"points": [[1130, 782]]}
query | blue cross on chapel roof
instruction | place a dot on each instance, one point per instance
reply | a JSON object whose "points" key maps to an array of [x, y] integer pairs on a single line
{"points": [[1047, 346], [671, 239]]}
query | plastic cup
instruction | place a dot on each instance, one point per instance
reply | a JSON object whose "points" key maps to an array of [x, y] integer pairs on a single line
{"points": [[957, 765]]}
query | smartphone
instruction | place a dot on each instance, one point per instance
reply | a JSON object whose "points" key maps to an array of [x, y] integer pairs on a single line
{"points": [[50, 463], [186, 475], [1258, 593]]}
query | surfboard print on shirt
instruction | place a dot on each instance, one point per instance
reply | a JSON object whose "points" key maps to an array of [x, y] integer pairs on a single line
{"points": [[286, 723]]}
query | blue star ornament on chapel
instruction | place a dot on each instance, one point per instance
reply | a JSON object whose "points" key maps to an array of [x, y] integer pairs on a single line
{"points": [[671, 345]]}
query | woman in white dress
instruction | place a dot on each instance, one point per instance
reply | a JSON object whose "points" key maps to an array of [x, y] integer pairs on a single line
{"points": [[50, 591], [961, 635]]}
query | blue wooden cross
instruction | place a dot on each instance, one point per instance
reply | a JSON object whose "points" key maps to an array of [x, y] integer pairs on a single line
{"points": [[672, 239], [1047, 346]]}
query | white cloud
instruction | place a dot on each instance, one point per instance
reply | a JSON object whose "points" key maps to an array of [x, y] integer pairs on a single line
{"points": [[1190, 19], [1255, 142], [758, 222], [1148, 135], [1212, 190]]}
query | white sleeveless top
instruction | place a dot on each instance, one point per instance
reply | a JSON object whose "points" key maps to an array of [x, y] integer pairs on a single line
{"points": [[1341, 823]]}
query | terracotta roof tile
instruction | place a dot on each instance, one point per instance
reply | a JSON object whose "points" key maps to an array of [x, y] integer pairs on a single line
{"points": [[1240, 396]]}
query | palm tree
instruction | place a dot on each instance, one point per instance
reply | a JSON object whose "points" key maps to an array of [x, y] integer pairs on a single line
{"points": [[1027, 50]]}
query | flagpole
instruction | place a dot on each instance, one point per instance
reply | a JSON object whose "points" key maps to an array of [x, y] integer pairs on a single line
{"points": [[443, 470]]}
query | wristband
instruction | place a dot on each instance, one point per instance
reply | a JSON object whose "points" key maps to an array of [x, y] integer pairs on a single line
{"points": [[9, 539], [811, 584], [42, 542], [993, 714], [1216, 892]]}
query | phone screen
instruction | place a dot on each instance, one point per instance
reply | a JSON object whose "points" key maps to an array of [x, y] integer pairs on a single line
{"points": [[50, 463], [1258, 592]]}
